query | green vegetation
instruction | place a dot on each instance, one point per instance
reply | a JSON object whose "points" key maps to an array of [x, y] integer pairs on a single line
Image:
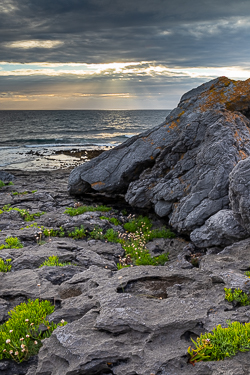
{"points": [[137, 251], [5, 265], [2, 184], [53, 233], [53, 261], [33, 225], [112, 220], [20, 336], [23, 192], [138, 232], [112, 236], [238, 296], [247, 273], [73, 211], [141, 224], [97, 234], [221, 343], [12, 243], [158, 233], [26, 216], [78, 233], [224, 342]]}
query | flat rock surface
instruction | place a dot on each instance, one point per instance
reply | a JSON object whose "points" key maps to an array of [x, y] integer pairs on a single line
{"points": [[135, 321]]}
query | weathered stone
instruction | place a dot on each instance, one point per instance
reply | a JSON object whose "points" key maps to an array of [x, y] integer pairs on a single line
{"points": [[234, 257], [140, 323], [26, 283], [239, 192], [182, 166], [6, 177], [221, 229], [139, 320], [172, 246]]}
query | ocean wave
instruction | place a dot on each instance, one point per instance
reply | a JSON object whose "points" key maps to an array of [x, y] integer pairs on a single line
{"points": [[82, 145]]}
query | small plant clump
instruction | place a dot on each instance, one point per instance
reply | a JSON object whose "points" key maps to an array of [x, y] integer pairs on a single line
{"points": [[247, 273], [20, 336], [12, 243], [221, 343], [112, 220], [142, 224], [2, 184], [138, 233], [26, 216], [53, 261], [97, 234], [237, 296], [23, 192], [78, 233], [73, 211], [5, 265], [52, 232]]}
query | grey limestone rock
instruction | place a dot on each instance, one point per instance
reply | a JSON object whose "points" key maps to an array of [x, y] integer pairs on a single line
{"points": [[6, 177], [182, 166], [139, 321], [239, 192], [221, 229], [172, 246]]}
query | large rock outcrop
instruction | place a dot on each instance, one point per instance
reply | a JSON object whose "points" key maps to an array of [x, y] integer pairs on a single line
{"points": [[182, 166]]}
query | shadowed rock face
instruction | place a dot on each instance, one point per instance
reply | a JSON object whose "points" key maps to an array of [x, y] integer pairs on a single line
{"points": [[182, 166], [239, 192]]}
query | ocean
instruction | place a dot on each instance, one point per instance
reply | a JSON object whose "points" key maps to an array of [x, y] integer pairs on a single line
{"points": [[34, 140]]}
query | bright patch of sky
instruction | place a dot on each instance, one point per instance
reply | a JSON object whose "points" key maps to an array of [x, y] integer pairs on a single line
{"points": [[130, 69]]}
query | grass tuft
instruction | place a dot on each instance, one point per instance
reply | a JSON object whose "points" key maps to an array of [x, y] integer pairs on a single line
{"points": [[221, 343], [73, 211], [12, 243], [5, 265], [26, 216], [237, 296], [54, 261], [2, 184]]}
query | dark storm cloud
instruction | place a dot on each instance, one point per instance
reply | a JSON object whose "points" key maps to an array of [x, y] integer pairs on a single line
{"points": [[184, 33]]}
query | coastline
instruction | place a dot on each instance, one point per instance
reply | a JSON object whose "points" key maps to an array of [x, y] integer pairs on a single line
{"points": [[55, 159]]}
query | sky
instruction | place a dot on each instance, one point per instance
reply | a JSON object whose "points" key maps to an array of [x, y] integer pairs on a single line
{"points": [[113, 54]]}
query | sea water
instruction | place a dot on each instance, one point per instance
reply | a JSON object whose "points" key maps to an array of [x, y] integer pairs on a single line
{"points": [[26, 137]]}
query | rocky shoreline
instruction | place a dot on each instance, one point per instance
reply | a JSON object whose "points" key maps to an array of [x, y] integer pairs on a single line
{"points": [[136, 320], [139, 319]]}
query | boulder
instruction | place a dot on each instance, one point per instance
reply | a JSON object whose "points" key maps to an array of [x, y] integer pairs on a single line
{"points": [[181, 168], [239, 192], [6, 177], [221, 229]]}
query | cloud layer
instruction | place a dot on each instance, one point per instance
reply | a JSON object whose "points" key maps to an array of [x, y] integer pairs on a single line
{"points": [[85, 49]]}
